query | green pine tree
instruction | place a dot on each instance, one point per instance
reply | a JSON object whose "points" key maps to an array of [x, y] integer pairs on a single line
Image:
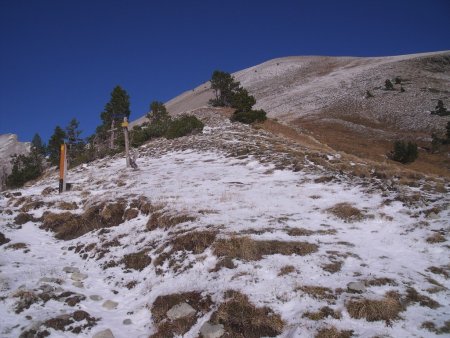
{"points": [[54, 145], [37, 145], [116, 109]]}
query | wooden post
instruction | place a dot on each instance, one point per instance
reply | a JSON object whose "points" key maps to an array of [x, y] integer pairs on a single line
{"points": [[127, 145], [62, 168]]}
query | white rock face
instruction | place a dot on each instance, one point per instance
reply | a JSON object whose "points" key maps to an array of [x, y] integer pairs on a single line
{"points": [[10, 145]]}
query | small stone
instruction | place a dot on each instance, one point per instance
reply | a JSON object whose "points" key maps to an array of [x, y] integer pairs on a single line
{"points": [[46, 288], [110, 305], [96, 298], [76, 276], [212, 331], [71, 269], [104, 334], [78, 284], [49, 280], [433, 215], [127, 321], [357, 287], [180, 310]]}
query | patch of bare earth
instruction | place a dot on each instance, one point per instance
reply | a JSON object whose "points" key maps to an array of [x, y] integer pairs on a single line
{"points": [[169, 328], [242, 319], [248, 249]]}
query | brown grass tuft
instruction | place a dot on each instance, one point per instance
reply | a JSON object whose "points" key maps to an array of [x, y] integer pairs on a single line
{"points": [[246, 248], [412, 296], [332, 332], [436, 238], [380, 282], [346, 212], [68, 206], [318, 292], [285, 270], [166, 220], [137, 261], [386, 309], [68, 226], [323, 313], [439, 270], [3, 239], [242, 319]]}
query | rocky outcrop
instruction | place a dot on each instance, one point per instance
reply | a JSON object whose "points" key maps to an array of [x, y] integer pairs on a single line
{"points": [[9, 145]]}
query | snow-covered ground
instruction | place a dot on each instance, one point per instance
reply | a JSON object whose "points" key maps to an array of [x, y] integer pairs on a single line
{"points": [[231, 197]]}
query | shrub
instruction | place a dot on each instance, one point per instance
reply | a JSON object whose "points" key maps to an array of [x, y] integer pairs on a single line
{"points": [[404, 152], [388, 85], [25, 168], [184, 125], [249, 117], [440, 110]]}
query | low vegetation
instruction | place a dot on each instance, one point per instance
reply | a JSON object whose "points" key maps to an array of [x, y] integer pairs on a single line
{"points": [[346, 212], [248, 249], [404, 152], [386, 309], [242, 319]]}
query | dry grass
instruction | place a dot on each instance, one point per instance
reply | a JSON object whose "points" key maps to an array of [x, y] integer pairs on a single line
{"points": [[307, 232], [166, 220], [318, 292], [380, 282], [332, 332], [137, 261], [386, 309], [196, 242], [440, 270], [23, 218], [430, 326], [248, 249], [346, 212], [3, 239], [17, 246], [69, 226], [333, 267], [68, 206], [26, 299], [242, 319], [412, 296], [323, 313], [162, 304], [436, 238], [285, 270]]}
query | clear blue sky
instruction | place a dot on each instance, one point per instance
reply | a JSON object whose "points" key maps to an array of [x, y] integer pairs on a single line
{"points": [[60, 59]]}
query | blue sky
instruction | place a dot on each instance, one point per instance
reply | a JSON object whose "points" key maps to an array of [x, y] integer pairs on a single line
{"points": [[61, 59]]}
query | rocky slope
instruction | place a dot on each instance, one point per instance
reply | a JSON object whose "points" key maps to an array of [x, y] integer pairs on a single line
{"points": [[9, 145], [234, 232]]}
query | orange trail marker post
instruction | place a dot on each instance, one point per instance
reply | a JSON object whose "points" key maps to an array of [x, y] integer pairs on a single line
{"points": [[62, 168]]}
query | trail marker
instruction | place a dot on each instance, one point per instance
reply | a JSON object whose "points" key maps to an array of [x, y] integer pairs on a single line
{"points": [[63, 168]]}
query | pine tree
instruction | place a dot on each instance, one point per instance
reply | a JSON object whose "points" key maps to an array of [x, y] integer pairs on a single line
{"points": [[54, 145], [116, 109], [224, 86], [37, 145], [158, 113], [440, 109]]}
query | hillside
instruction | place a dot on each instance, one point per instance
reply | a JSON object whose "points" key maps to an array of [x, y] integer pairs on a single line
{"points": [[325, 98], [234, 232]]}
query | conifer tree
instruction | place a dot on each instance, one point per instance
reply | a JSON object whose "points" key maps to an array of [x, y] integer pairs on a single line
{"points": [[116, 109], [54, 145], [37, 145]]}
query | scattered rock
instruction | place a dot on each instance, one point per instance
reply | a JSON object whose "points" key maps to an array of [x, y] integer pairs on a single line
{"points": [[50, 280], [180, 310], [47, 191], [96, 298], [127, 321], [46, 288], [78, 284], [104, 334], [433, 215], [110, 305], [77, 276], [357, 287], [212, 331], [71, 269]]}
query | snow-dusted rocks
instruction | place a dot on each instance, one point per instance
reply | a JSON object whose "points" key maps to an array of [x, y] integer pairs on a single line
{"points": [[212, 331], [104, 334], [77, 276], [180, 310], [110, 305], [357, 287]]}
